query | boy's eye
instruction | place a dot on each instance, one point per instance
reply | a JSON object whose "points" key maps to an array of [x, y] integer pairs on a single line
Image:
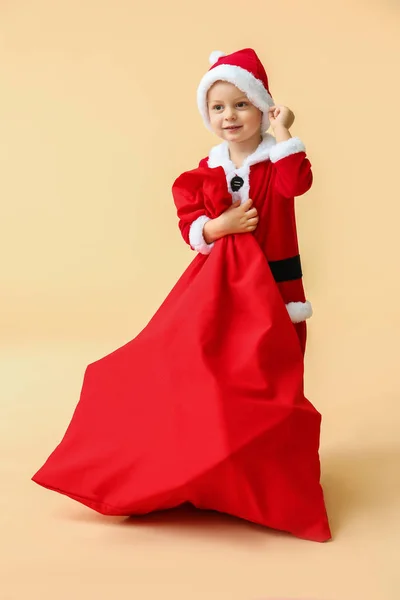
{"points": [[239, 104]]}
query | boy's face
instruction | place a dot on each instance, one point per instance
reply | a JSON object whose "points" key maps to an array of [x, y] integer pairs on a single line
{"points": [[232, 116]]}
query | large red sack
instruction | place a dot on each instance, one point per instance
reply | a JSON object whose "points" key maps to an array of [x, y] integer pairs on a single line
{"points": [[206, 404]]}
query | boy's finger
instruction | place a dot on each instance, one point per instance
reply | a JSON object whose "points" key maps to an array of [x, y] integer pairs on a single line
{"points": [[252, 212], [248, 204], [234, 205]]}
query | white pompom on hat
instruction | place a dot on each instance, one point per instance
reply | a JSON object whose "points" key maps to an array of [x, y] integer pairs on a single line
{"points": [[245, 70]]}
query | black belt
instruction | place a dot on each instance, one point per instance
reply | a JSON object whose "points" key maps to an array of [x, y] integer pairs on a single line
{"points": [[286, 269]]}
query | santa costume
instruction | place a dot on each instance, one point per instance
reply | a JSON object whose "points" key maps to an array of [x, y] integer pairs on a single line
{"points": [[206, 405]]}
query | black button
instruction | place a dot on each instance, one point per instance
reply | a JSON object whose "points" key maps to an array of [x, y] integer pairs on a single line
{"points": [[236, 183]]}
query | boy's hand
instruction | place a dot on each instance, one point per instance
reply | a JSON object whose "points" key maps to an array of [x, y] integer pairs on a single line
{"points": [[280, 116], [238, 218]]}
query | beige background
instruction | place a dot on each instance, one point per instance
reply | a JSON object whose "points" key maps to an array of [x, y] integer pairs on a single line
{"points": [[98, 117]]}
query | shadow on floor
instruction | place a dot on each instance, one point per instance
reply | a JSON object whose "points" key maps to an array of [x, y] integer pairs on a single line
{"points": [[362, 480]]}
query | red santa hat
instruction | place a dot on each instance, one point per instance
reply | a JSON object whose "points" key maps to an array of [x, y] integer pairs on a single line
{"points": [[245, 70]]}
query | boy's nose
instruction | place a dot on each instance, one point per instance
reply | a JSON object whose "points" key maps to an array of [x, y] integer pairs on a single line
{"points": [[230, 114]]}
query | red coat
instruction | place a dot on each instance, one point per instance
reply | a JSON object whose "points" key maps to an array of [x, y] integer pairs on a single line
{"points": [[206, 405], [273, 176]]}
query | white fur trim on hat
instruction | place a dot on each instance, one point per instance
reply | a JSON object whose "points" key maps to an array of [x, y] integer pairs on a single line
{"points": [[196, 237], [242, 79], [215, 56]]}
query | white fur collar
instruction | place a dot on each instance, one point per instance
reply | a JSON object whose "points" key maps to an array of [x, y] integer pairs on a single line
{"points": [[219, 155]]}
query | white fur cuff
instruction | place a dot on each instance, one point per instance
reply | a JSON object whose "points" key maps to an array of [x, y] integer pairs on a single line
{"points": [[286, 148], [196, 237], [299, 311]]}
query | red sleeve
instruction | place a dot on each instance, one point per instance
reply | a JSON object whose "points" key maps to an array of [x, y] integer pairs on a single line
{"points": [[204, 162], [187, 192], [293, 175]]}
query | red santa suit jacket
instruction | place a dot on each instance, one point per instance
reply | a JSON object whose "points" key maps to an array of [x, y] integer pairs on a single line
{"points": [[272, 177]]}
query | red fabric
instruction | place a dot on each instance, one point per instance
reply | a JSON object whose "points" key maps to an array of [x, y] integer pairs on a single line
{"points": [[248, 60], [273, 188], [206, 404]]}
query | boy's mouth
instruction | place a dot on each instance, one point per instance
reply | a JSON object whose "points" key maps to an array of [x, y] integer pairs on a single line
{"points": [[233, 127]]}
